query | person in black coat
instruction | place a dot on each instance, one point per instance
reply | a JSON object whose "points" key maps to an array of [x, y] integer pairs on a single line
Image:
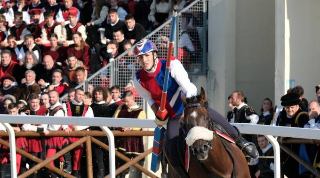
{"points": [[133, 31], [266, 112], [265, 165]]}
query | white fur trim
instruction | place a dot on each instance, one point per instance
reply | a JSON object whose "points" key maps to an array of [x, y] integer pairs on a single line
{"points": [[197, 133]]}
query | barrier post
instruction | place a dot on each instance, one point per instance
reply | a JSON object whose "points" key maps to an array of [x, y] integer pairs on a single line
{"points": [[276, 151], [112, 160], [12, 141], [89, 157]]}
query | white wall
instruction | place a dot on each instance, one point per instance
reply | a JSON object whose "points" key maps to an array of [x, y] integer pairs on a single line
{"points": [[304, 44], [255, 50]]}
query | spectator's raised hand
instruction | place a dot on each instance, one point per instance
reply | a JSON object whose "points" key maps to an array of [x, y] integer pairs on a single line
{"points": [[23, 80], [42, 83]]}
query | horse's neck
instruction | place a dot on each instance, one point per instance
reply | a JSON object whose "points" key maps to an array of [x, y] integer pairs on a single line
{"points": [[219, 160]]}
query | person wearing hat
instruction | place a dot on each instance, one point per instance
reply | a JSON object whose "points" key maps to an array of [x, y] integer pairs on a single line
{"points": [[9, 67], [291, 116], [70, 29], [8, 87], [36, 23]]}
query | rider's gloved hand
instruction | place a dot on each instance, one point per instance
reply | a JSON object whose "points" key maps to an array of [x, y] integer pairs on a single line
{"points": [[161, 122]]}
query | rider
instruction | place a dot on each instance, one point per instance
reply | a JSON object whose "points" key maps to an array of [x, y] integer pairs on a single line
{"points": [[149, 82]]}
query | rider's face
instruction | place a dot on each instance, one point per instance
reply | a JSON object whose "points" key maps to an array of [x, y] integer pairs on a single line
{"points": [[146, 60]]}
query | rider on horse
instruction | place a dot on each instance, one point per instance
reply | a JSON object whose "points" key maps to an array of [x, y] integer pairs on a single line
{"points": [[149, 82]]}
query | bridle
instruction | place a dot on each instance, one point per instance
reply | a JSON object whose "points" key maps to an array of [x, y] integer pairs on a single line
{"points": [[202, 105]]}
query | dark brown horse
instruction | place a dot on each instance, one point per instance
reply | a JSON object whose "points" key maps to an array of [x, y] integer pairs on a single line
{"points": [[210, 155]]}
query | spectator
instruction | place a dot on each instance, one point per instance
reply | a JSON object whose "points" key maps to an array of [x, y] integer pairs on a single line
{"points": [[141, 12], [21, 142], [304, 102], [266, 112], [70, 69], [19, 6], [109, 96], [57, 83], [265, 166], [44, 99], [115, 99], [291, 116], [71, 93], [31, 62], [3, 28], [133, 31], [121, 12], [36, 18], [243, 112], [52, 6], [55, 143], [29, 85], [11, 45], [230, 114], [64, 12], [19, 29], [29, 45], [23, 107], [114, 25], [100, 109], [159, 12], [80, 76], [79, 109], [9, 67], [127, 45], [35, 144], [46, 70], [80, 49], [49, 27], [57, 52], [73, 27], [87, 100], [35, 4], [99, 14], [6, 100], [110, 52], [318, 93], [314, 115], [118, 36], [131, 146], [7, 86]]}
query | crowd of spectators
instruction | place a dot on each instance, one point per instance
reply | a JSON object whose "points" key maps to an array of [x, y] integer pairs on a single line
{"points": [[296, 112]]}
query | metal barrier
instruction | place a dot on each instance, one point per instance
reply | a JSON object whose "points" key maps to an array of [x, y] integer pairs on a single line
{"points": [[88, 139], [191, 24], [269, 131]]}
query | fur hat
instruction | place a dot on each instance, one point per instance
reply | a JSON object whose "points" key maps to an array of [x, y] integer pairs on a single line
{"points": [[10, 97], [8, 77], [290, 99], [73, 11]]}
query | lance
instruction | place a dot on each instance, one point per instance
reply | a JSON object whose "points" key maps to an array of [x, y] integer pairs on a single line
{"points": [[162, 112]]}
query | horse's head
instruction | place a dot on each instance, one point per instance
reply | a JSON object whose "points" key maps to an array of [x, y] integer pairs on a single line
{"points": [[198, 125]]}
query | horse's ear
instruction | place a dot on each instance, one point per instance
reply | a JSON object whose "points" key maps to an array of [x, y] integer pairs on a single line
{"points": [[202, 97]]}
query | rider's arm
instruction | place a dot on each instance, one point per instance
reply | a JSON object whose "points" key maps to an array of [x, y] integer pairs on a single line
{"points": [[181, 76]]}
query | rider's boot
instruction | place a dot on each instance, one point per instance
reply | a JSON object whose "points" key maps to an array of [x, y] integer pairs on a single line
{"points": [[248, 148]]}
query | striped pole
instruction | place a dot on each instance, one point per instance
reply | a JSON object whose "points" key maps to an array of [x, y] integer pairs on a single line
{"points": [[162, 112]]}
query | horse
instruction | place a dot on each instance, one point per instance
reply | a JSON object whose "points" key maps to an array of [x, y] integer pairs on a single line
{"points": [[211, 156]]}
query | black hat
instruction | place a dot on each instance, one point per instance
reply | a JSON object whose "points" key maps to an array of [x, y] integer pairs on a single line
{"points": [[290, 99], [8, 77]]}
